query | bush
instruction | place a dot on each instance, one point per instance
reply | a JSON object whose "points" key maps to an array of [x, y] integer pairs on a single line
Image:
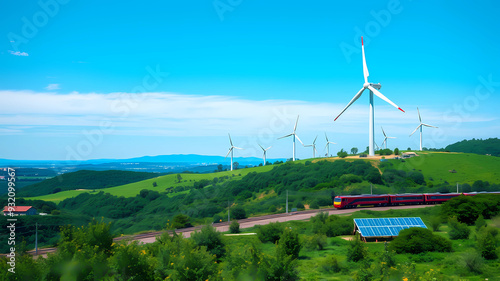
{"points": [[435, 222], [234, 227], [299, 205], [314, 205], [486, 242], [129, 263], [289, 243], [480, 222], [356, 250], [181, 221], [464, 208], [211, 239], [458, 230], [315, 242], [416, 240], [238, 213], [270, 232], [472, 262], [331, 265]]}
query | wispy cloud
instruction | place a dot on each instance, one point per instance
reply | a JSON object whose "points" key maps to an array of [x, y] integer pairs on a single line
{"points": [[51, 87], [19, 54]]}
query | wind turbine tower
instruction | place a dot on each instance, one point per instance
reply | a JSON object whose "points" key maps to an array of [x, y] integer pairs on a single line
{"points": [[294, 135], [313, 146], [327, 146], [231, 151], [420, 127], [385, 138], [265, 150], [373, 90]]}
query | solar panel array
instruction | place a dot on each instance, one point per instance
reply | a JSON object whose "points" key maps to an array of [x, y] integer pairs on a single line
{"points": [[386, 226]]}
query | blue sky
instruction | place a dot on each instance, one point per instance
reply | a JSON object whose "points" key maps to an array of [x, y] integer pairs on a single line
{"points": [[85, 80]]}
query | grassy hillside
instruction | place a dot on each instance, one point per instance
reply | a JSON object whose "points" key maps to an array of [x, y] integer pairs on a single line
{"points": [[84, 180], [436, 167], [162, 183], [489, 146]]}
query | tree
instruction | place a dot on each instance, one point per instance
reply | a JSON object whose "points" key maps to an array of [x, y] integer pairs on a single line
{"points": [[396, 151], [209, 237], [238, 213], [234, 227], [415, 240], [354, 150], [487, 243], [342, 153], [356, 250], [179, 178], [289, 243], [409, 148], [155, 184], [180, 221], [219, 168], [236, 165], [464, 208]]}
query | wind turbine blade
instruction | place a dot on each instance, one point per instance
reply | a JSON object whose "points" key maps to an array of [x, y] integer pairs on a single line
{"points": [[299, 139], [294, 128], [261, 147], [379, 94], [326, 145], [228, 152], [351, 102], [286, 136], [238, 147], [383, 131], [427, 125], [267, 148], [326, 137], [391, 137], [365, 68], [416, 129], [314, 142], [332, 142], [419, 115], [230, 139]]}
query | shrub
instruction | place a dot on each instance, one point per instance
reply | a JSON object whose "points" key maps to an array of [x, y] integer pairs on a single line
{"points": [[356, 250], [486, 242], [129, 263], [209, 237], [299, 205], [435, 222], [458, 230], [234, 227], [416, 240], [472, 262], [330, 264], [289, 243], [314, 205], [480, 222], [238, 213], [180, 221], [316, 241], [464, 208], [270, 232]]}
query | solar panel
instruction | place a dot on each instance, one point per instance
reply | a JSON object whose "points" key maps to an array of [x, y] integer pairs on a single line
{"points": [[386, 226]]}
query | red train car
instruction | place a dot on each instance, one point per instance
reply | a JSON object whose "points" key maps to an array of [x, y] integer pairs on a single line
{"points": [[437, 198], [352, 201], [407, 199]]}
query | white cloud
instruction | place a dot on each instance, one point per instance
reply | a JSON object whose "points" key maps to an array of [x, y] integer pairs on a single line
{"points": [[19, 54], [52, 87]]}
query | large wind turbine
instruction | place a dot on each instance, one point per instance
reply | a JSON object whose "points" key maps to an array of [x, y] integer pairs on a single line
{"points": [[385, 138], [373, 90], [265, 150], [294, 136], [420, 126], [231, 151], [313, 146], [327, 146]]}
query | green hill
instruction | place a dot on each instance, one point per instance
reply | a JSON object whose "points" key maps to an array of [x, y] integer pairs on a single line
{"points": [[489, 146], [84, 179]]}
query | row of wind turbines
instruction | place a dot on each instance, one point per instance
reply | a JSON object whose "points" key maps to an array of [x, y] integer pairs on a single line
{"points": [[371, 134]]}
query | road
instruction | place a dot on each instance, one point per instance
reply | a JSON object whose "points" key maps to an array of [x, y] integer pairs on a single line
{"points": [[150, 237]]}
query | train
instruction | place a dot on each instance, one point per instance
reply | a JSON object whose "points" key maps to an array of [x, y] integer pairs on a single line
{"points": [[353, 201]]}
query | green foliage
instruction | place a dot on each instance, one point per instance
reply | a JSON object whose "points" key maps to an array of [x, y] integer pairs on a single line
{"points": [[416, 240], [130, 262], [234, 227], [330, 265], [210, 238], [458, 230], [487, 242], [331, 226], [488, 146], [480, 223], [289, 243], [396, 151], [270, 232], [464, 208], [299, 205], [356, 250], [354, 150], [385, 151], [238, 213], [435, 223], [315, 242], [84, 179], [472, 262], [342, 153], [181, 221], [314, 205]]}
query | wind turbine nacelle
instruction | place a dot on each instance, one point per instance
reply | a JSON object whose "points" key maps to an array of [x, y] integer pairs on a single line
{"points": [[376, 86]]}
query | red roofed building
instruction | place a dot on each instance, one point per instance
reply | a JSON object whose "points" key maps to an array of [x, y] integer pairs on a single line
{"points": [[19, 210]]}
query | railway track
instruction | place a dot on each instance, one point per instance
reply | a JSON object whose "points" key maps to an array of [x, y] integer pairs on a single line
{"points": [[244, 223]]}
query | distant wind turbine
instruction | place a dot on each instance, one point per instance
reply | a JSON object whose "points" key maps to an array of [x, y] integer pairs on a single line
{"points": [[265, 150], [327, 146], [385, 138], [373, 90], [231, 151], [313, 145], [420, 126], [294, 135]]}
